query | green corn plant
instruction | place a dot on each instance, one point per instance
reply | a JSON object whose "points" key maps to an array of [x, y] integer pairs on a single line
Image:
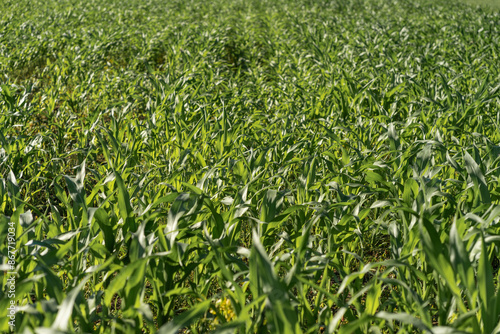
{"points": [[249, 167]]}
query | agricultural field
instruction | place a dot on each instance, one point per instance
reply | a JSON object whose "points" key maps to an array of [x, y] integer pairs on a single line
{"points": [[492, 4], [231, 166]]}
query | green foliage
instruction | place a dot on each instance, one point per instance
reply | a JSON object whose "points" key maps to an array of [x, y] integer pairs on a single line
{"points": [[250, 166]]}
